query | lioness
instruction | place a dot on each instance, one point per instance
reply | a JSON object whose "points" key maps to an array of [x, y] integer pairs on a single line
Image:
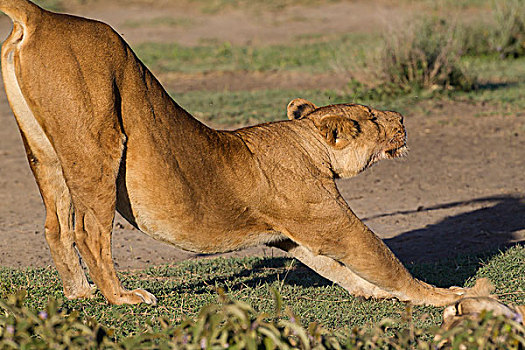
{"points": [[101, 134]]}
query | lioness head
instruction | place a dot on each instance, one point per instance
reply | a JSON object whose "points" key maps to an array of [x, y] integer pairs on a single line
{"points": [[357, 136]]}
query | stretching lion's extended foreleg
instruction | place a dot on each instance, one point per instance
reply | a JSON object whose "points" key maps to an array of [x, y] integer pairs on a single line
{"points": [[333, 270]]}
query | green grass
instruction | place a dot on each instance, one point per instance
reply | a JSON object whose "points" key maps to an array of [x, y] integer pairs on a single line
{"points": [[243, 107], [504, 98], [305, 55], [229, 109], [240, 108], [453, 4], [501, 84], [184, 288], [493, 68], [218, 6]]}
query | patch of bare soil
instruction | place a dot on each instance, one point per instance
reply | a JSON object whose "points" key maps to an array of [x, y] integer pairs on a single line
{"points": [[461, 189], [136, 21], [241, 26]]}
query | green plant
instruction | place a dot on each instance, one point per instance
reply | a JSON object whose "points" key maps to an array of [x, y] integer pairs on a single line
{"points": [[51, 328], [236, 325], [227, 324], [509, 35], [503, 34], [476, 38], [486, 332], [423, 54]]}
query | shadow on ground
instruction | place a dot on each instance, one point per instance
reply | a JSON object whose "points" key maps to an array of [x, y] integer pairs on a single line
{"points": [[493, 86], [498, 224]]}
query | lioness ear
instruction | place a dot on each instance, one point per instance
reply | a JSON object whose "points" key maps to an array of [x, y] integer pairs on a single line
{"points": [[298, 108], [337, 130]]}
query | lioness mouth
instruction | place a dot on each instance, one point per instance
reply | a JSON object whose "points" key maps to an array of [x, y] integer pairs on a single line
{"points": [[387, 154], [397, 152]]}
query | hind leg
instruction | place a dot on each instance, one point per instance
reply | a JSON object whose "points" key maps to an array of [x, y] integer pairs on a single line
{"points": [[59, 221], [71, 111], [86, 221], [48, 174], [93, 239], [91, 174]]}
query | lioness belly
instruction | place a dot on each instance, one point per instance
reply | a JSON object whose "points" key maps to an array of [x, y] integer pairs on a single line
{"points": [[185, 233], [165, 207]]}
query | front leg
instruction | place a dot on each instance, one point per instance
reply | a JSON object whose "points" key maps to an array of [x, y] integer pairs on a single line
{"points": [[328, 233], [333, 271]]}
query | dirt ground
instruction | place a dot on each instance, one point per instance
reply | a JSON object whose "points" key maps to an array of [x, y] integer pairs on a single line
{"points": [[461, 189]]}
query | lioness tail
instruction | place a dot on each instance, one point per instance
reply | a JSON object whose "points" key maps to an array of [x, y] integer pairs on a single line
{"points": [[20, 11]]}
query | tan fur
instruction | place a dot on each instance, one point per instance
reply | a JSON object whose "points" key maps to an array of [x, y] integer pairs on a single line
{"points": [[472, 307], [101, 134]]}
